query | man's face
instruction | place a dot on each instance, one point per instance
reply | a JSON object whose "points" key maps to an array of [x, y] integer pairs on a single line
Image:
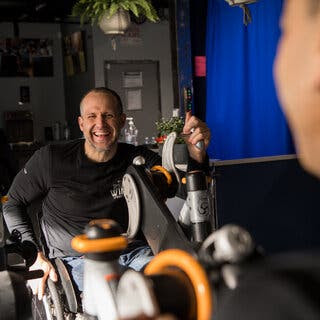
{"points": [[100, 121], [297, 73]]}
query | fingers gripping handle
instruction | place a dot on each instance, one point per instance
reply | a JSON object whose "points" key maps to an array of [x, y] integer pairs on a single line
{"points": [[199, 144]]}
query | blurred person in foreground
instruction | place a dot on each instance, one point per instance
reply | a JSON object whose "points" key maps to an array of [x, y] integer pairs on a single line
{"points": [[286, 286]]}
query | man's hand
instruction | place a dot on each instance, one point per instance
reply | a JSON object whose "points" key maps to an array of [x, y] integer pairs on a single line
{"points": [[38, 285], [196, 130]]}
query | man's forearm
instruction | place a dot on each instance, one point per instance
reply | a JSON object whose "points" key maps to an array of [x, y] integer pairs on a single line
{"points": [[194, 165], [16, 218]]}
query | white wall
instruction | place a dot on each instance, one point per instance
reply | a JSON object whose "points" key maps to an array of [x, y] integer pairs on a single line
{"points": [[155, 45], [46, 93]]}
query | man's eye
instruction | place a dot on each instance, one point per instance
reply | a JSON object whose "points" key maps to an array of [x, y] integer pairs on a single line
{"points": [[109, 116], [91, 116]]}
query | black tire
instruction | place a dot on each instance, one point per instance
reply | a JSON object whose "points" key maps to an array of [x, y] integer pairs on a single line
{"points": [[38, 312], [56, 300]]}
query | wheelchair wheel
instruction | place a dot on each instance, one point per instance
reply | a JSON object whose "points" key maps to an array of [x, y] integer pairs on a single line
{"points": [[53, 303], [52, 306], [60, 301]]}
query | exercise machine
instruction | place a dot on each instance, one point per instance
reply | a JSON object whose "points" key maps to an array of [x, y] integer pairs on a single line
{"points": [[192, 260], [15, 298]]}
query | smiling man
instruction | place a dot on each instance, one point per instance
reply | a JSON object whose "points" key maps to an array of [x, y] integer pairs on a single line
{"points": [[101, 122], [81, 180]]}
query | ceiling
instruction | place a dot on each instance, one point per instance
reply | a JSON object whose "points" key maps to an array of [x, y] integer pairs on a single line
{"points": [[35, 10], [44, 10]]}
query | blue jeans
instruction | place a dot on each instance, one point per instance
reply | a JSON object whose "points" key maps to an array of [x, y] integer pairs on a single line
{"points": [[136, 257]]}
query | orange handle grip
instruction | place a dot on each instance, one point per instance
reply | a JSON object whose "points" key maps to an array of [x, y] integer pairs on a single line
{"points": [[82, 244]]}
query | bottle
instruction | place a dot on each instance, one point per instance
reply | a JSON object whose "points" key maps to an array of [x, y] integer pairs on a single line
{"points": [[131, 132], [175, 112], [66, 131], [57, 131]]}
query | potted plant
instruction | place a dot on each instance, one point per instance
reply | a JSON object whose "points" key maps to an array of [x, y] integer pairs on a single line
{"points": [[113, 15], [165, 127]]}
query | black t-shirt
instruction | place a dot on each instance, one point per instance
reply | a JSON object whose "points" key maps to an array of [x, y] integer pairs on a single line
{"points": [[74, 190]]}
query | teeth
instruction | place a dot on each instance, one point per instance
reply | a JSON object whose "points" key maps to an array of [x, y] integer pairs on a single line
{"points": [[100, 134]]}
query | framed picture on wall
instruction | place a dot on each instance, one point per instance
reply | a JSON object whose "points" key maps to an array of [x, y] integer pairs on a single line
{"points": [[134, 99], [26, 57], [74, 56]]}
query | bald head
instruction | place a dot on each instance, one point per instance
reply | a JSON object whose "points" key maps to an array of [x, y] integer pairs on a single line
{"points": [[106, 92]]}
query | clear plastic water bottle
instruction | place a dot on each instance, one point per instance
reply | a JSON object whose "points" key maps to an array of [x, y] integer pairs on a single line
{"points": [[66, 131], [131, 132], [57, 131], [146, 141]]}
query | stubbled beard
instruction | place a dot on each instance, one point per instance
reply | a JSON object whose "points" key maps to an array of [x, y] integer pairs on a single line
{"points": [[106, 149]]}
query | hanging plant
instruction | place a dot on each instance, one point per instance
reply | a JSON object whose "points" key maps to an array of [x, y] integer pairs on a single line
{"points": [[94, 10]]}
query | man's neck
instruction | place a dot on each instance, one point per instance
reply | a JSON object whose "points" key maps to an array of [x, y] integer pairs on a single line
{"points": [[99, 155]]}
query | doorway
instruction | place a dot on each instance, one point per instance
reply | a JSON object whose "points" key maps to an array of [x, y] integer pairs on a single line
{"points": [[138, 84]]}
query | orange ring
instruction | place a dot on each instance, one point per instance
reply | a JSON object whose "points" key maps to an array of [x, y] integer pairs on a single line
{"points": [[84, 245], [196, 274], [165, 172], [4, 199]]}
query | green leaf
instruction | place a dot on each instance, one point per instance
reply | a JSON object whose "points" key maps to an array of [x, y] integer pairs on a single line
{"points": [[125, 6], [146, 7], [134, 9], [94, 9], [113, 9]]}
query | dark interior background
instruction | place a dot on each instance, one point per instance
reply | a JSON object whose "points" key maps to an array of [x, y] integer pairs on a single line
{"points": [[276, 201], [46, 10]]}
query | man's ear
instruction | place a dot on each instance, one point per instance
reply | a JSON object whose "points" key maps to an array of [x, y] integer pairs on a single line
{"points": [[80, 122], [123, 118]]}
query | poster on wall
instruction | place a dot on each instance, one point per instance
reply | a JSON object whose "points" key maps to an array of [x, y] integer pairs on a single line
{"points": [[26, 57], [74, 57], [132, 79], [134, 99]]}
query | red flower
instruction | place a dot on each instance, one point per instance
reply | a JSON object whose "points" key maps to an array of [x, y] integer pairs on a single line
{"points": [[161, 139]]}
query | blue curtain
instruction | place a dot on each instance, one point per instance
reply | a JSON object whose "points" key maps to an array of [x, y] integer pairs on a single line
{"points": [[242, 111]]}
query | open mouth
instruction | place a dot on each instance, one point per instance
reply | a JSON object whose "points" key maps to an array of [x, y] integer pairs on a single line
{"points": [[101, 136]]}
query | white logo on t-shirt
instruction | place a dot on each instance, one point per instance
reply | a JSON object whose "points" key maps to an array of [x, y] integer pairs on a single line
{"points": [[117, 190]]}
